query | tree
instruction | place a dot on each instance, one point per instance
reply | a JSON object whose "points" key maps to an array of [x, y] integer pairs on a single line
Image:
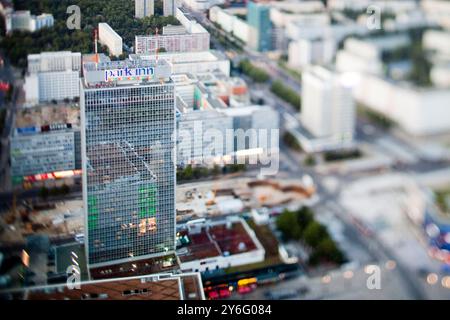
{"points": [[287, 94], [216, 170], [314, 233], [187, 174], [43, 193], [304, 217], [328, 251], [257, 74], [309, 160], [65, 189], [287, 223]]}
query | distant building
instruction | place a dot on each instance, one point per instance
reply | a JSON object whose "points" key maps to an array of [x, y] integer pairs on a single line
{"points": [[172, 43], [328, 109], [44, 20], [365, 55], [438, 11], [144, 8], [282, 12], [108, 37], [159, 286], [418, 111], [258, 18], [191, 38], [202, 5], [169, 7], [230, 22], [192, 147], [186, 62], [54, 61], [52, 76], [305, 52], [24, 21], [45, 143]]}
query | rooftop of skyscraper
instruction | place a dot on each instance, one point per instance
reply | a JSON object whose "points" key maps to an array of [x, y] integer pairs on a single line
{"points": [[120, 64], [103, 72]]}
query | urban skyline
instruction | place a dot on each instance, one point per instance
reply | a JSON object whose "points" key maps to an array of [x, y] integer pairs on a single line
{"points": [[225, 150]]}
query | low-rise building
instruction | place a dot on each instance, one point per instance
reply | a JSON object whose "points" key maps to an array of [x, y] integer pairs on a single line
{"points": [[23, 20], [208, 245], [365, 55], [46, 141]]}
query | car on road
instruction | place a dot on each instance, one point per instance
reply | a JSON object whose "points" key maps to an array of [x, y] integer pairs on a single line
{"points": [[284, 294]]}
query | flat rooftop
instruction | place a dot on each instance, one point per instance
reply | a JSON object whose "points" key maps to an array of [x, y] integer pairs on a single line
{"points": [[48, 114], [186, 286], [212, 239], [124, 72]]}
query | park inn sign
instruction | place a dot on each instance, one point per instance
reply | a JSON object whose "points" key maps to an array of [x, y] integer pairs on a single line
{"points": [[129, 74]]}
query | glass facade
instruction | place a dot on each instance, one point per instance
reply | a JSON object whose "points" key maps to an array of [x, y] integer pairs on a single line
{"points": [[258, 17], [129, 171]]}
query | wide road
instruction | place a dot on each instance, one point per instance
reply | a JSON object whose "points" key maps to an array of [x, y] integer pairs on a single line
{"points": [[269, 65], [7, 74]]}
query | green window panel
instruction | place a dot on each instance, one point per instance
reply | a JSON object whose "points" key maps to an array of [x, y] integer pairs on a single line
{"points": [[147, 201]]}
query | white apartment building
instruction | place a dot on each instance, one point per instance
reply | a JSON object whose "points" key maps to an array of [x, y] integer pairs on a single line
{"points": [[54, 61], [192, 128], [440, 75], [395, 6], [49, 86], [364, 55], [144, 8], [437, 10], [202, 5], [52, 76], [328, 109], [23, 20], [304, 52], [108, 37], [320, 29], [438, 43], [168, 7], [218, 244], [181, 42], [420, 112], [229, 22], [44, 20]]}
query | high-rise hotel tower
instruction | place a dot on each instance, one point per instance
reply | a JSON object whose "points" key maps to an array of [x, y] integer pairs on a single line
{"points": [[128, 123]]}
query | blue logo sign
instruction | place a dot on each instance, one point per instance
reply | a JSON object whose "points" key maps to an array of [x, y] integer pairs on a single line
{"points": [[129, 74]]}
